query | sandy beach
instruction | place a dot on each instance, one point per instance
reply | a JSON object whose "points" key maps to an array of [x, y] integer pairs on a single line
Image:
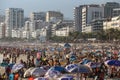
{"points": [[83, 48]]}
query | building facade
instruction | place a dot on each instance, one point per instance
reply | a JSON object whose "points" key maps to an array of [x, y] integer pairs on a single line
{"points": [[108, 9], [84, 14], [63, 31], [14, 19], [2, 30], [95, 26], [38, 16], [113, 23], [50, 15], [78, 18], [116, 12], [91, 12]]}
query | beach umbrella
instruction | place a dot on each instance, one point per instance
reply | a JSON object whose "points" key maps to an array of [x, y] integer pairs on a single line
{"points": [[106, 62], [41, 78], [109, 54], [73, 58], [45, 67], [59, 49], [98, 51], [67, 45], [52, 74], [3, 64], [7, 65], [27, 72], [75, 68], [93, 64], [58, 68], [38, 72], [17, 67], [27, 49], [113, 63], [85, 61], [66, 77], [84, 69], [78, 68], [52, 49], [11, 65], [71, 67]]}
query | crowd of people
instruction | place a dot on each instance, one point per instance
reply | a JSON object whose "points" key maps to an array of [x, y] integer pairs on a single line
{"points": [[62, 56]]}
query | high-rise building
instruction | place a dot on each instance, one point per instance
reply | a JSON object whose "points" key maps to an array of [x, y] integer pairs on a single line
{"points": [[38, 16], [113, 23], [116, 12], [27, 26], [14, 19], [85, 14], [53, 15], [36, 20], [78, 18], [91, 12], [2, 30], [108, 9], [2, 18]]}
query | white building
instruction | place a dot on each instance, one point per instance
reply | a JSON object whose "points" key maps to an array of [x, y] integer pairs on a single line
{"points": [[88, 29], [14, 34], [113, 23], [61, 28], [84, 14], [26, 34], [95, 26], [50, 15], [38, 16], [63, 31], [17, 33], [14, 19], [27, 25], [35, 34], [78, 18], [36, 24], [2, 30], [91, 12], [116, 12], [43, 35]]}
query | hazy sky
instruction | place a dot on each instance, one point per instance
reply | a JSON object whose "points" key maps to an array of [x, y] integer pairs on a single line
{"points": [[65, 6]]}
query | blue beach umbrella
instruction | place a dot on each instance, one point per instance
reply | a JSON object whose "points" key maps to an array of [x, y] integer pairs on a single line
{"points": [[114, 63], [11, 65], [93, 64], [85, 61], [52, 74], [40, 78], [73, 58], [74, 68], [17, 67], [67, 45], [52, 49], [59, 49], [84, 69], [111, 62], [4, 64], [58, 68], [66, 77]]}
